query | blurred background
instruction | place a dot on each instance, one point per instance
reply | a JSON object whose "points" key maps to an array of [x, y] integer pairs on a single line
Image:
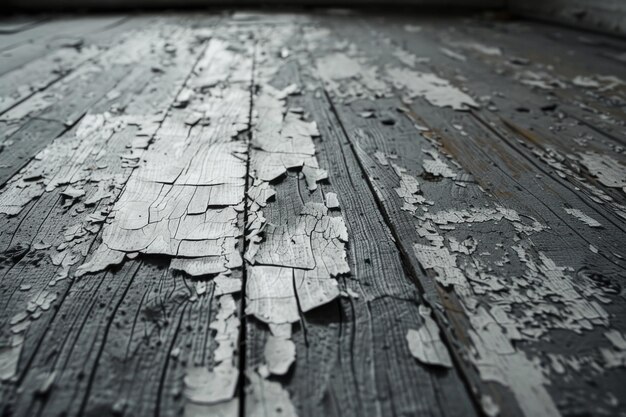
{"points": [[607, 16]]}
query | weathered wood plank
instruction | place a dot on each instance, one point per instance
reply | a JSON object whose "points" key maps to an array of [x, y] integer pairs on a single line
{"points": [[557, 134], [193, 363], [145, 98], [351, 354], [28, 127], [509, 181], [56, 29], [70, 32], [607, 16], [380, 185], [35, 66], [18, 23], [568, 84]]}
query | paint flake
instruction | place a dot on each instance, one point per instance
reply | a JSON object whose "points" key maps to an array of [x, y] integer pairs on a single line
{"points": [[279, 353], [589, 221], [332, 202], [436, 166], [437, 91], [606, 169], [425, 343]]}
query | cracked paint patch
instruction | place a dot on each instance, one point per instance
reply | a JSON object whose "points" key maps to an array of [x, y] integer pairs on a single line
{"points": [[425, 343], [74, 159], [350, 78], [292, 266], [186, 194]]}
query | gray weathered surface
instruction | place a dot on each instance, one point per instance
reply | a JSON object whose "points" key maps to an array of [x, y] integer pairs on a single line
{"points": [[311, 214], [606, 15]]}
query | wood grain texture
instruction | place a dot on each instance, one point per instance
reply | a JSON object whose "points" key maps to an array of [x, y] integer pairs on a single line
{"points": [[352, 357], [79, 348], [455, 134], [311, 213]]}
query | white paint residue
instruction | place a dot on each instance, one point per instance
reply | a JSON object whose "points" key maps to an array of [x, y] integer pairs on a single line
{"points": [[267, 398], [66, 161], [279, 354], [185, 196], [332, 202], [346, 77], [606, 169], [436, 166], [425, 343], [617, 339], [437, 91], [409, 191], [600, 82], [589, 221], [479, 47], [452, 54], [412, 28], [292, 267], [408, 58], [316, 247], [490, 408], [498, 361], [208, 392]]}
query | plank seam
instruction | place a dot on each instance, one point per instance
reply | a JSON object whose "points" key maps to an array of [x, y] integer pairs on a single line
{"points": [[409, 270]]}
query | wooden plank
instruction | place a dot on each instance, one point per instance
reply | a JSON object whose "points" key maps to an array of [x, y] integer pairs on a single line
{"points": [[430, 240], [18, 23], [34, 67], [71, 368], [28, 127], [552, 128], [192, 360], [607, 16], [567, 79], [351, 354], [26, 5], [59, 28], [380, 186]]}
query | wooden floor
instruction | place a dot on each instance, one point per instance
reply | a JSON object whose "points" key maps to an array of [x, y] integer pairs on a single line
{"points": [[312, 214]]}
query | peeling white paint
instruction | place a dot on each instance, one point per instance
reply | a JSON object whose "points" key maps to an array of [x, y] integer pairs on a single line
{"points": [[436, 166], [185, 196], [425, 343], [331, 201], [452, 54], [212, 391], [589, 221], [292, 266], [479, 47], [437, 91], [348, 78], [279, 353], [409, 190], [606, 169], [267, 398]]}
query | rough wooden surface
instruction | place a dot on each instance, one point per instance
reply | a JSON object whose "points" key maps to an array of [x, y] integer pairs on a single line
{"points": [[607, 15], [323, 213]]}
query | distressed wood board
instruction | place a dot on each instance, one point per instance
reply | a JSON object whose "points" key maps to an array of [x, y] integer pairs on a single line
{"points": [[311, 213]]}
